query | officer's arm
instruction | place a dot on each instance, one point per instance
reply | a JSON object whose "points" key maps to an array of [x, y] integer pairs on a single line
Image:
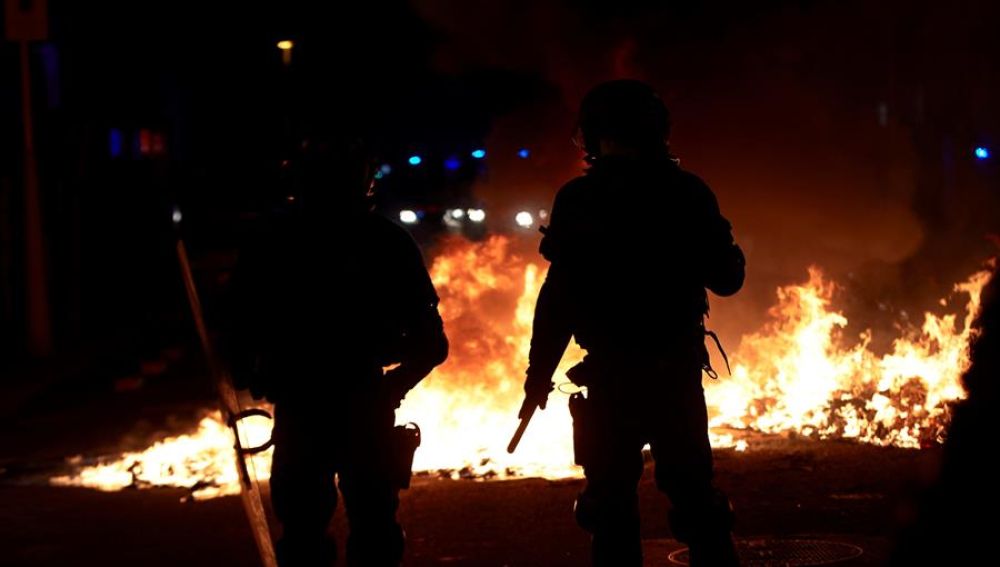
{"points": [[552, 328], [425, 345], [550, 334], [724, 264]]}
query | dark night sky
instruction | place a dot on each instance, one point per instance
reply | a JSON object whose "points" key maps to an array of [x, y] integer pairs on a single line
{"points": [[779, 107], [834, 132]]}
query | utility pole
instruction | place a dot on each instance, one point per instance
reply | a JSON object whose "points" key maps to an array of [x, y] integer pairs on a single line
{"points": [[27, 21]]}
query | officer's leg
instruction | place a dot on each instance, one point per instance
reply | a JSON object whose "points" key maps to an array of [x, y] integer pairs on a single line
{"points": [[701, 515], [303, 494], [371, 497], [608, 507]]}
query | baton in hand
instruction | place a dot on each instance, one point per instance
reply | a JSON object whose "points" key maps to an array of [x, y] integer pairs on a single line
{"points": [[527, 410]]}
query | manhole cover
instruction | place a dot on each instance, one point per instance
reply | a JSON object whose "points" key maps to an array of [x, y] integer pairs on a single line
{"points": [[773, 552]]}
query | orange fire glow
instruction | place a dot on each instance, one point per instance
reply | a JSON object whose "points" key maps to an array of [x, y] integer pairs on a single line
{"points": [[796, 374]]}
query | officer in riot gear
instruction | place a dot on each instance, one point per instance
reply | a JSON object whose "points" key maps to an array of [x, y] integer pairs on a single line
{"points": [[633, 245], [329, 296]]}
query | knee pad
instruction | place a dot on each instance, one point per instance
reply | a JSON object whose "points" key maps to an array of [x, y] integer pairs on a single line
{"points": [[714, 516], [595, 514], [295, 551], [376, 547], [586, 511]]}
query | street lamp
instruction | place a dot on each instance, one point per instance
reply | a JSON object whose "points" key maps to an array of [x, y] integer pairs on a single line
{"points": [[286, 46], [524, 219]]}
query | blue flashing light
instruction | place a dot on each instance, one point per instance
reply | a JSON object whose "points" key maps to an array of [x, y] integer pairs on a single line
{"points": [[386, 169], [478, 153], [415, 160], [116, 142], [452, 163], [523, 153], [982, 152]]}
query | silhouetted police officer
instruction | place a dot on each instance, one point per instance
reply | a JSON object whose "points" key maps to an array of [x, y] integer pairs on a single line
{"points": [[330, 295], [633, 244]]}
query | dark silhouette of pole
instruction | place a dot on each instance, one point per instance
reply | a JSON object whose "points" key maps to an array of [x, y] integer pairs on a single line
{"points": [[36, 284]]}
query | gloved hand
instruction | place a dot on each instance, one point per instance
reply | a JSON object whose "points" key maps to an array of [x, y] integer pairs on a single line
{"points": [[536, 393]]}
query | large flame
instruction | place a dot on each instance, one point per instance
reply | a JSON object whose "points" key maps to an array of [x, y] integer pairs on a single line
{"points": [[202, 461], [468, 406], [796, 374]]}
